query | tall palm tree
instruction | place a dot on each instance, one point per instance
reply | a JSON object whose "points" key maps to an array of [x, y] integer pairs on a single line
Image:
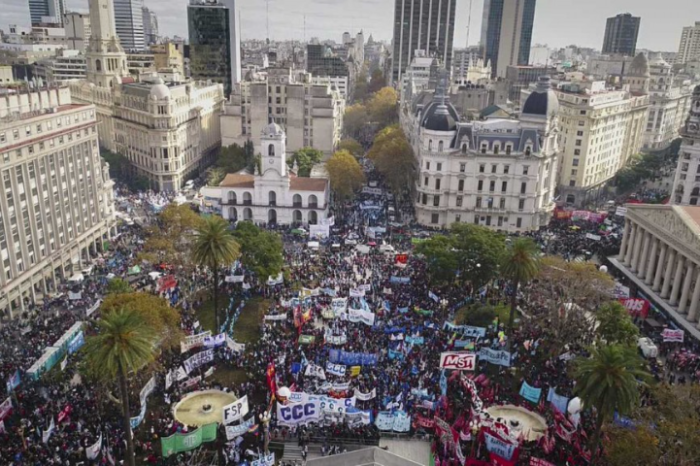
{"points": [[214, 247], [520, 264], [124, 344], [608, 381]]}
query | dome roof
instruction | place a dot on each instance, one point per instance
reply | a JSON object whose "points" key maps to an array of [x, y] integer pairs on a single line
{"points": [[159, 90], [272, 129], [543, 100], [658, 60], [639, 68], [440, 118]]}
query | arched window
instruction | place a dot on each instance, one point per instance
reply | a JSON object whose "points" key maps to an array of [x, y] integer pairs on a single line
{"points": [[232, 214], [231, 197], [271, 150], [313, 217], [297, 216], [430, 144], [272, 198], [496, 149], [98, 65], [247, 198], [272, 216], [528, 150], [464, 148], [247, 214], [440, 146], [296, 200], [313, 201]]}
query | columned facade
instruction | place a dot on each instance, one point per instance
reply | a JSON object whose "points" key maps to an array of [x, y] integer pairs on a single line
{"points": [[660, 251]]}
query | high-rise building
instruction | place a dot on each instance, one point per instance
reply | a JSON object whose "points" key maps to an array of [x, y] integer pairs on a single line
{"points": [[40, 9], [77, 26], [506, 33], [621, 33], [689, 48], [56, 201], [686, 189], [150, 26], [215, 41], [422, 25], [128, 18]]}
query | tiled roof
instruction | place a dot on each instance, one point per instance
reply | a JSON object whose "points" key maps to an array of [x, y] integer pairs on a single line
{"points": [[235, 180], [693, 212], [308, 184]]}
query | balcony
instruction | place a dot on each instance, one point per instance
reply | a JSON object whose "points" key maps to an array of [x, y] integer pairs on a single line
{"points": [[490, 210], [229, 202], [272, 203]]}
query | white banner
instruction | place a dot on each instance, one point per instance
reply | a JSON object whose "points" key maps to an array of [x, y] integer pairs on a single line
{"points": [[304, 408], [233, 346], [366, 396], [214, 341], [75, 296], [339, 305], [336, 369], [335, 339], [147, 390], [374, 191], [193, 341], [276, 318], [169, 379], [234, 278], [593, 237], [278, 280], [319, 231], [264, 460], [330, 221], [358, 315], [190, 382], [621, 211], [180, 374], [673, 335], [236, 431], [312, 370], [198, 359], [340, 387], [458, 361], [93, 450], [357, 293], [89, 311], [235, 410]]}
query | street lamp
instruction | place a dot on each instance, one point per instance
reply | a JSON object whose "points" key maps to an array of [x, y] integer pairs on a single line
{"points": [[265, 418]]}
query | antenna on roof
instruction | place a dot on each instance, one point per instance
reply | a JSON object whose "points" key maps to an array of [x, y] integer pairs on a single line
{"points": [[267, 9]]}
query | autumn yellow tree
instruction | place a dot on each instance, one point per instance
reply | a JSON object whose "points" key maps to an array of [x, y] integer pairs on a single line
{"points": [[169, 240], [382, 107], [352, 146], [355, 118], [393, 157], [345, 175]]}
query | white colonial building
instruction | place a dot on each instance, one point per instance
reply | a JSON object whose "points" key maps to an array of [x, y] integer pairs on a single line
{"points": [[499, 173], [686, 189], [274, 194]]}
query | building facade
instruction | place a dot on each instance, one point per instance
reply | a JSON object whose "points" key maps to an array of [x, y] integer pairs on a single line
{"points": [[128, 17], [56, 205], [274, 195], [68, 65], [499, 173], [77, 26], [621, 34], [659, 255], [311, 114], [41, 9], [150, 26], [689, 47], [422, 25], [686, 186], [506, 33], [520, 77]]}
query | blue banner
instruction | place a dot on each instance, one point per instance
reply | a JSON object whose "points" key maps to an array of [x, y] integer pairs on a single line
{"points": [[387, 306], [337, 356], [76, 343], [498, 357], [415, 340], [499, 447], [402, 280], [395, 330], [403, 310], [296, 367], [13, 382], [530, 393], [559, 402], [465, 330], [395, 355]]}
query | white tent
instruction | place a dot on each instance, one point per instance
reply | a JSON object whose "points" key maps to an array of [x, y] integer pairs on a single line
{"points": [[154, 275]]}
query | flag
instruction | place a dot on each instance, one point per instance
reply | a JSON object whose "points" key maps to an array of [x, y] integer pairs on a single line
{"points": [[271, 379], [254, 429], [46, 435]]}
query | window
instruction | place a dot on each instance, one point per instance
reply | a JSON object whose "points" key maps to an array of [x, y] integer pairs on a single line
{"points": [[435, 218], [436, 201], [478, 202], [574, 172], [506, 169], [439, 167], [483, 148], [271, 150], [523, 187], [464, 148], [494, 168], [462, 167], [439, 148], [437, 183], [508, 149], [521, 204], [502, 203], [526, 169], [572, 183], [458, 218], [504, 186], [496, 149], [684, 167], [425, 199], [476, 219], [2, 137], [459, 201], [492, 186], [574, 162], [577, 151], [482, 168], [579, 133], [460, 185], [427, 165], [500, 221], [426, 181], [578, 142], [430, 145], [519, 222]]}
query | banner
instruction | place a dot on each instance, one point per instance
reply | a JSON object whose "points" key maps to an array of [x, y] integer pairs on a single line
{"points": [[199, 359], [673, 335], [265, 460], [336, 369], [13, 382], [398, 355], [637, 307], [312, 370], [233, 346], [335, 339], [621, 211], [358, 315], [593, 237], [93, 450], [319, 231], [46, 435], [147, 390], [236, 410], [620, 291], [278, 280], [214, 341], [306, 339], [191, 382], [5, 408], [465, 330], [539, 462], [76, 343], [366, 396], [433, 296], [137, 420], [185, 442], [418, 341], [276, 318], [357, 293], [425, 422], [339, 305], [193, 341], [75, 296], [530, 393], [498, 357], [352, 359], [89, 311], [304, 408], [398, 421], [499, 447], [374, 191], [460, 361], [169, 379], [559, 402], [236, 431]]}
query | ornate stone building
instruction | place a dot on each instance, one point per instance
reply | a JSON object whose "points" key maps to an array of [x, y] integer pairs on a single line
{"points": [[686, 188]]}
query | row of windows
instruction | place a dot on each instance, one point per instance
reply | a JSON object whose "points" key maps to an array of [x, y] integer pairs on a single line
{"points": [[39, 128], [482, 168], [486, 220]]}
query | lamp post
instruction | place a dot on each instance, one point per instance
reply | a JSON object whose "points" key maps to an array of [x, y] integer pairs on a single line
{"points": [[265, 418]]}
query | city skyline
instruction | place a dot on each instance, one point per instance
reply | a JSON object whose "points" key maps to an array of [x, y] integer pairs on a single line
{"points": [[328, 19]]}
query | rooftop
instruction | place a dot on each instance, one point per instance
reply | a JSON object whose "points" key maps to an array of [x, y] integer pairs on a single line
{"points": [[236, 180]]}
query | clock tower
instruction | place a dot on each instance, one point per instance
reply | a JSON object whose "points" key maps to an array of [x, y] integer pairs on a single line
{"points": [[686, 190], [273, 150]]}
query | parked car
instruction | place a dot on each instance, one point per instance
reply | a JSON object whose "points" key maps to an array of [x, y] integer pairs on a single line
{"points": [[648, 348]]}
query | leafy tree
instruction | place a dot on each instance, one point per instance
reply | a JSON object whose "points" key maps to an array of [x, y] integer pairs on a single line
{"points": [[608, 382], [476, 315], [121, 170], [394, 159], [521, 263], [355, 118], [124, 344], [345, 175], [639, 443], [441, 260], [214, 247], [169, 239], [615, 325], [361, 88], [305, 158], [377, 81], [118, 286], [352, 146], [261, 250], [153, 310], [383, 106]]}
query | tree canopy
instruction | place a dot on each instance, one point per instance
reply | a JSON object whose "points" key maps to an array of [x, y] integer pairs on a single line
{"points": [[169, 240], [305, 158], [377, 81], [261, 250], [345, 175], [231, 159], [615, 325], [352, 146], [393, 158], [121, 171], [118, 285]]}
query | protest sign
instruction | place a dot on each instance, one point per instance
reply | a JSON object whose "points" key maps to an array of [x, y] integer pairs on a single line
{"points": [[458, 361], [239, 429], [670, 335], [359, 315], [312, 370], [352, 359], [336, 369], [214, 341], [637, 307], [366, 396], [235, 410], [304, 408], [199, 359], [267, 459], [93, 450], [530, 393], [498, 357], [193, 341], [306, 339], [499, 447], [179, 443]]}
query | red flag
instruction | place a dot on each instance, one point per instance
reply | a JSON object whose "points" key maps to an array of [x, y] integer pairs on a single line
{"points": [[271, 378]]}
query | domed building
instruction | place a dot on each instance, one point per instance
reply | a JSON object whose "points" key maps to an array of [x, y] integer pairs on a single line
{"points": [[500, 173]]}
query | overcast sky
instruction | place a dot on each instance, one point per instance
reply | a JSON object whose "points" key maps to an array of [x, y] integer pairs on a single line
{"points": [[557, 22]]}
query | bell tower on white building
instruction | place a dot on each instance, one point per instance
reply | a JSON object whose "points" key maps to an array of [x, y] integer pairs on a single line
{"points": [[106, 60], [273, 149]]}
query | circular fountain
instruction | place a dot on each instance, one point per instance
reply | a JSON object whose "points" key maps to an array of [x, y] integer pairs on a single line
{"points": [[520, 420], [202, 407]]}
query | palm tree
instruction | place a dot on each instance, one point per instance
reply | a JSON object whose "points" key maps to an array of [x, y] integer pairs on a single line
{"points": [[124, 344], [215, 246], [608, 381], [520, 264]]}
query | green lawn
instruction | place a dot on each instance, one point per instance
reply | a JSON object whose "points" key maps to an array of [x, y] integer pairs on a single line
{"points": [[465, 315]]}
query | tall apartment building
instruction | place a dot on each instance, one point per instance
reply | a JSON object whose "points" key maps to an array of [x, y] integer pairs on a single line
{"points": [[53, 9], [168, 131], [56, 203], [686, 186], [310, 114], [77, 26], [689, 47], [621, 34], [128, 18], [150, 26], [506, 33], [600, 129], [670, 103], [422, 25], [215, 41]]}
